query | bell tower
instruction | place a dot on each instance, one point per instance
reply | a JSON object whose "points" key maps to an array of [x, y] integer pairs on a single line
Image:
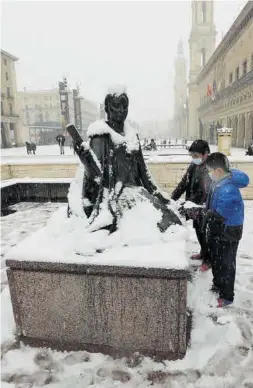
{"points": [[202, 46], [180, 93]]}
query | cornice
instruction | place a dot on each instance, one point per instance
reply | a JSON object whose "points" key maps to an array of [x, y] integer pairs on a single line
{"points": [[5, 53], [243, 19], [233, 96]]}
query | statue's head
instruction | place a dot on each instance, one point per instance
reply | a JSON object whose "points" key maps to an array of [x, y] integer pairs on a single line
{"points": [[116, 107]]}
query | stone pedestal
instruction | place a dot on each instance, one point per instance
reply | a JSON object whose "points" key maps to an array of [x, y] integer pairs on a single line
{"points": [[225, 140], [108, 309]]}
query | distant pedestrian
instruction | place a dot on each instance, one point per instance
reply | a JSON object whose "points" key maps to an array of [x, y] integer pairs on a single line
{"points": [[61, 140], [249, 152], [153, 145], [30, 148]]}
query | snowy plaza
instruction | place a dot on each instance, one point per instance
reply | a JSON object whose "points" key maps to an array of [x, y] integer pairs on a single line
{"points": [[127, 194], [220, 350]]}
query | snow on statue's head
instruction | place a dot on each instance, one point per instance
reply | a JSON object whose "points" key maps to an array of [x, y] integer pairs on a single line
{"points": [[116, 104]]}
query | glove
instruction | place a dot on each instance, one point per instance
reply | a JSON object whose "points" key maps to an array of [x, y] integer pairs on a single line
{"points": [[182, 210], [191, 213]]}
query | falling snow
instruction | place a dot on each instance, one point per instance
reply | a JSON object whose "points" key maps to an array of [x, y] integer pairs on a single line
{"points": [[220, 354]]}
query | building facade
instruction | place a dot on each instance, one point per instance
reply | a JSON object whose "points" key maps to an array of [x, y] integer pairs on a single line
{"points": [[229, 74], [89, 113], [180, 121], [41, 112], [40, 107], [202, 45], [12, 130]]}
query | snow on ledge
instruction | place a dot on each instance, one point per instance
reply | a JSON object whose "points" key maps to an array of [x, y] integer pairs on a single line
{"points": [[10, 182], [224, 130], [20, 161]]}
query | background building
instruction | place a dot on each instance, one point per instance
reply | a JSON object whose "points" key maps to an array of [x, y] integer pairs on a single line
{"points": [[41, 107], [12, 130], [42, 112], [89, 112], [225, 84], [202, 45], [156, 129], [180, 121]]}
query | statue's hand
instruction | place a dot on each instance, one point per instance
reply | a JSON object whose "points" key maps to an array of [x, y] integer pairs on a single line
{"points": [[81, 150], [164, 200]]}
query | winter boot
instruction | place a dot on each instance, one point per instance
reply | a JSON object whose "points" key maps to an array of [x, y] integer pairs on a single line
{"points": [[204, 267], [196, 256], [223, 302]]}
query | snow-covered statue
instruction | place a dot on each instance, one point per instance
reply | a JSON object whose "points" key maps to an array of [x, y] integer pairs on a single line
{"points": [[114, 177]]}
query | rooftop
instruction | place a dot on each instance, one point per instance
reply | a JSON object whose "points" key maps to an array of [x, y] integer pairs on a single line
{"points": [[10, 56], [244, 17]]}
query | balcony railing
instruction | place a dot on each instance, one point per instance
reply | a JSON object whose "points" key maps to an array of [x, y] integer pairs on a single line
{"points": [[245, 80]]}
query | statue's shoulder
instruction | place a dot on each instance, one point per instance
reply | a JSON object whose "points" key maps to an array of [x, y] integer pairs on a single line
{"points": [[98, 128]]}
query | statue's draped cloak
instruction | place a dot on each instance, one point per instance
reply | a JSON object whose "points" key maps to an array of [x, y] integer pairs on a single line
{"points": [[124, 174]]}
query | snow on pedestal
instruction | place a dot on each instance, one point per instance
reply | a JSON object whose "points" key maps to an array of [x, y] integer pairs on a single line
{"points": [[130, 297]]}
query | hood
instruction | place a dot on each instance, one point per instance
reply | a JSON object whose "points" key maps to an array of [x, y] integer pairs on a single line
{"points": [[239, 178]]}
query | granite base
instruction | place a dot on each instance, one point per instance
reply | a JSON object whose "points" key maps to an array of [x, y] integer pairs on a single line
{"points": [[108, 309]]}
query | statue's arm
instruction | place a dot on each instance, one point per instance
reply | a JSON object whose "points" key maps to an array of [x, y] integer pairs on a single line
{"points": [[93, 156]]}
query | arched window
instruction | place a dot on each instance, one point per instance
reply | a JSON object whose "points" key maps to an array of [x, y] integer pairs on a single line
{"points": [[203, 11], [195, 10], [203, 57]]}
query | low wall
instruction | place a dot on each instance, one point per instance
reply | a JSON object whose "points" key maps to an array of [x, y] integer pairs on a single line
{"points": [[33, 192], [108, 309], [167, 174]]}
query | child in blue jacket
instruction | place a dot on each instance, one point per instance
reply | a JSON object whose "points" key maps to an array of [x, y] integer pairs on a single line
{"points": [[224, 219]]}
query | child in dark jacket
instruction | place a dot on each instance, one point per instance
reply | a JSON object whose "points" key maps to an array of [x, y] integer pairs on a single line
{"points": [[195, 184]]}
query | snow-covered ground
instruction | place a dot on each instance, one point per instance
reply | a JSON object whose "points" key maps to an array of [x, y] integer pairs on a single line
{"points": [[220, 354], [51, 154]]}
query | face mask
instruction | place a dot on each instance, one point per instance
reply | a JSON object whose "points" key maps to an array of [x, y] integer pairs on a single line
{"points": [[212, 176], [197, 161]]}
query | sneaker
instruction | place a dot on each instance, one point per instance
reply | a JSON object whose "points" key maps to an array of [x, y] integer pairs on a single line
{"points": [[223, 302], [196, 256], [204, 267], [214, 289]]}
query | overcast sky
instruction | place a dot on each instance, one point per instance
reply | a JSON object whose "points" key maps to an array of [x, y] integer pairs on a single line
{"points": [[103, 43]]}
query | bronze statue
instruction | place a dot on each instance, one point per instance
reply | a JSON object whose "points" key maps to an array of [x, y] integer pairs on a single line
{"points": [[115, 173]]}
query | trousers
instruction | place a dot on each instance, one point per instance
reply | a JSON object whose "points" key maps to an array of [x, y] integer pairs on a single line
{"points": [[201, 236], [222, 255]]}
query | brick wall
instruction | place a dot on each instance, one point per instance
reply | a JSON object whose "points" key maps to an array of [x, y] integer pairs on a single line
{"points": [[166, 175]]}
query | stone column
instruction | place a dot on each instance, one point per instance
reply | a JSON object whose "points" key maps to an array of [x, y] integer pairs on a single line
{"points": [[20, 134], [7, 135], [249, 129], [224, 140]]}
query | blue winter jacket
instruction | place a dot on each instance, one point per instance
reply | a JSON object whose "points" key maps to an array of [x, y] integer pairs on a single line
{"points": [[225, 198]]}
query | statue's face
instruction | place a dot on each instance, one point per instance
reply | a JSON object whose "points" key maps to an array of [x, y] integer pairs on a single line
{"points": [[117, 109]]}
